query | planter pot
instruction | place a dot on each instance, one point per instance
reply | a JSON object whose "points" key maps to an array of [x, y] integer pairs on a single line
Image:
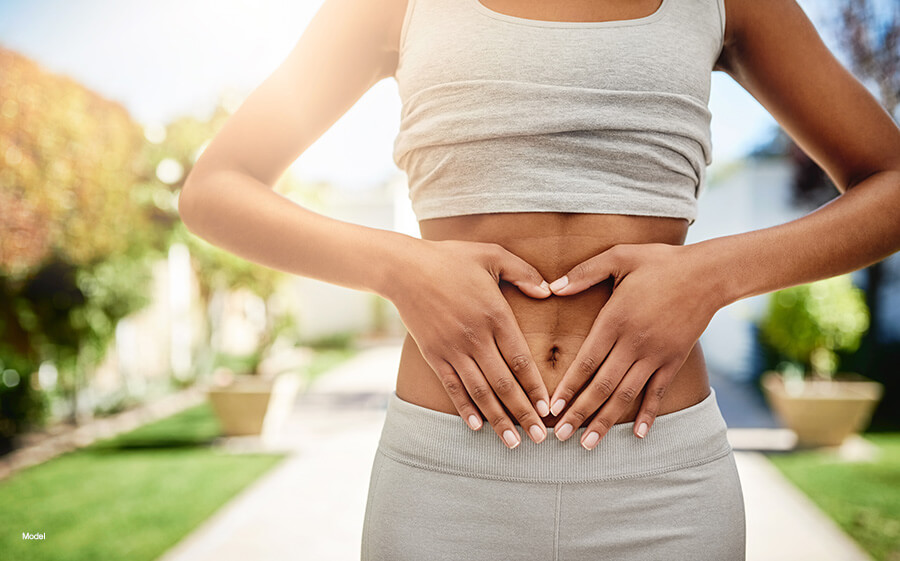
{"points": [[251, 405], [823, 412]]}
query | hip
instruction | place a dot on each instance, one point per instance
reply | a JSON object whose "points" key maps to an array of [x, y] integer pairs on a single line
{"points": [[441, 491]]}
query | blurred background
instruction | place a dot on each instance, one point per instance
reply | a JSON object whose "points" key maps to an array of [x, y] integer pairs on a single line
{"points": [[163, 399]]}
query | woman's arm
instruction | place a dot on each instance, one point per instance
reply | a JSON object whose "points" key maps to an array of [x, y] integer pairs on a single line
{"points": [[777, 55], [447, 293], [665, 296]]}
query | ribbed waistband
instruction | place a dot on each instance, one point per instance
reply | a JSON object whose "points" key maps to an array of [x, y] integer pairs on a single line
{"points": [[439, 441]]}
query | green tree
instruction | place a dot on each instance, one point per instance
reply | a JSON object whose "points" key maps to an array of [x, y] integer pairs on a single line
{"points": [[75, 244]]}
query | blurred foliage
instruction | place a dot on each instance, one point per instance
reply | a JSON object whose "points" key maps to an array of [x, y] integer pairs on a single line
{"points": [[337, 340], [238, 363], [76, 245], [70, 160], [88, 202], [21, 406], [809, 323]]}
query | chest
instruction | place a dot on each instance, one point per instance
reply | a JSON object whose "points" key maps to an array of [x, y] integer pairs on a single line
{"points": [[667, 49], [574, 10]]}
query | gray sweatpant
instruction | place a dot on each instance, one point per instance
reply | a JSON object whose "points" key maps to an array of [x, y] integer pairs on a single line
{"points": [[440, 492]]}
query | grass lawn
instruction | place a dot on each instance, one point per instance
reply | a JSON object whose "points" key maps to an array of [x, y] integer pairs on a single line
{"points": [[130, 497], [862, 497], [134, 496]]}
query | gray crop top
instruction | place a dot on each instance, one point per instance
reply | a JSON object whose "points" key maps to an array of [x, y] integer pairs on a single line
{"points": [[506, 114]]}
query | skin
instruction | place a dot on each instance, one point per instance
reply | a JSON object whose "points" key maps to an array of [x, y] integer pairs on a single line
{"points": [[619, 344]]}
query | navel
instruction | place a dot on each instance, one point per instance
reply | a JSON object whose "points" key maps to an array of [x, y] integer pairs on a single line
{"points": [[553, 356]]}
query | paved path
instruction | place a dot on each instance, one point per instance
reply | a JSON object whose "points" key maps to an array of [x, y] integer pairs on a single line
{"points": [[311, 506]]}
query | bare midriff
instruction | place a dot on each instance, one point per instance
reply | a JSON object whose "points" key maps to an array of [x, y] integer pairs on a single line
{"points": [[554, 327]]}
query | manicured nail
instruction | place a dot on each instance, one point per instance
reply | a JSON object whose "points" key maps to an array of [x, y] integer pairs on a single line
{"points": [[536, 433], [558, 406], [559, 283], [511, 438], [545, 287], [564, 431], [542, 408], [642, 430], [474, 422], [590, 440]]}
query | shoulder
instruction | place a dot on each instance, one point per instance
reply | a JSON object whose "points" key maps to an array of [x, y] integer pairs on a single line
{"points": [[773, 25], [750, 20], [372, 25]]}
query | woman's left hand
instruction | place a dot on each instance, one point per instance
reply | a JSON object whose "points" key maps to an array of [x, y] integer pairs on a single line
{"points": [[663, 299]]}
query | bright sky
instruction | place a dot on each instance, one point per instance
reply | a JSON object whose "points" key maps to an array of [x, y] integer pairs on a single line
{"points": [[167, 58]]}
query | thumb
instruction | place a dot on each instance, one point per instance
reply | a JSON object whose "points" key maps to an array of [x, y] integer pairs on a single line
{"points": [[515, 270], [588, 273]]}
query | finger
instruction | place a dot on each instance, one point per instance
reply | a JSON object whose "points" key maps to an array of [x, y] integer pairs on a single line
{"points": [[454, 387], [590, 272], [515, 352], [593, 351], [513, 269], [619, 402], [656, 389], [596, 392], [511, 394], [481, 392]]}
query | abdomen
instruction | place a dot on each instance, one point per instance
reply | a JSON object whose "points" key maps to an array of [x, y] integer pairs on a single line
{"points": [[555, 327]]}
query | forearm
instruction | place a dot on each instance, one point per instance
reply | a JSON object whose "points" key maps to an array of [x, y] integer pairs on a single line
{"points": [[858, 228], [245, 216]]}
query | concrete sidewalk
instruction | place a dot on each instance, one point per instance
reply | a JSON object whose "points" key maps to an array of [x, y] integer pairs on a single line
{"points": [[311, 506]]}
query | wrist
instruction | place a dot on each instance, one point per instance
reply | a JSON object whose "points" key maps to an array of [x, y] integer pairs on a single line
{"points": [[710, 263], [397, 265]]}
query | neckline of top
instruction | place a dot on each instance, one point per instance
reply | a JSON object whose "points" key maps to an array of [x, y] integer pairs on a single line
{"points": [[548, 23]]}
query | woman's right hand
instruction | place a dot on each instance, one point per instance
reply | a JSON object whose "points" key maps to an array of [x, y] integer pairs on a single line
{"points": [[452, 306]]}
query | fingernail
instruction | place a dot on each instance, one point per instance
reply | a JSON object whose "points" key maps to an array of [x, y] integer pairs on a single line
{"points": [[542, 408], [590, 440], [559, 283], [474, 422], [558, 406], [545, 287], [536, 433], [511, 438], [564, 431], [642, 430]]}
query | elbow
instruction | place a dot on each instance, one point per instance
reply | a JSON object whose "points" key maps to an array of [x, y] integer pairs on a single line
{"points": [[201, 198], [182, 205], [185, 207], [886, 174], [189, 203]]}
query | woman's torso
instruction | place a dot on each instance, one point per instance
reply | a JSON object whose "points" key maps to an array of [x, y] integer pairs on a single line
{"points": [[554, 328]]}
